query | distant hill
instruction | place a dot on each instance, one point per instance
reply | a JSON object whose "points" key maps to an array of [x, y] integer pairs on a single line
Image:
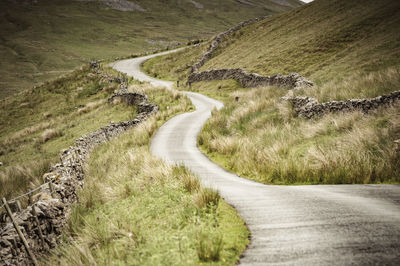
{"points": [[41, 39], [325, 40]]}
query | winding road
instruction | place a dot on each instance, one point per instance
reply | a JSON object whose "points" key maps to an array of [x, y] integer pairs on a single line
{"points": [[289, 225]]}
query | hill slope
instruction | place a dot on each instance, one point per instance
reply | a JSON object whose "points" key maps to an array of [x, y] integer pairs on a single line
{"points": [[43, 39], [324, 41], [350, 49], [330, 42]]}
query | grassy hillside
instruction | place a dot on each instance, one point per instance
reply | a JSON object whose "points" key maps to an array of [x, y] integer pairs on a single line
{"points": [[46, 38], [350, 49], [326, 41], [35, 125], [134, 209]]}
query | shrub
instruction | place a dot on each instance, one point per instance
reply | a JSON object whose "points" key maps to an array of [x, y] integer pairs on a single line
{"points": [[210, 246], [190, 182], [207, 197]]}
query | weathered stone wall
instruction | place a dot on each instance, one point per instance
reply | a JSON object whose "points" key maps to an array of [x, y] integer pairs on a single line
{"points": [[251, 80], [67, 176], [310, 108], [292, 80]]}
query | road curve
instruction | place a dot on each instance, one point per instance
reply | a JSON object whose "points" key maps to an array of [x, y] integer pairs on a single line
{"points": [[131, 67], [301, 225]]}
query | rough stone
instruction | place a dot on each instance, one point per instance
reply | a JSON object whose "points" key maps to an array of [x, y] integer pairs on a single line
{"points": [[292, 80], [309, 107]]}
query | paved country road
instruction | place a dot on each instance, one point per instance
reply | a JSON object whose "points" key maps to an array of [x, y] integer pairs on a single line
{"points": [[302, 225]]}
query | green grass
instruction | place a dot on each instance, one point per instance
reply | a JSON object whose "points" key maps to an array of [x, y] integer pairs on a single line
{"points": [[44, 40], [136, 210]]}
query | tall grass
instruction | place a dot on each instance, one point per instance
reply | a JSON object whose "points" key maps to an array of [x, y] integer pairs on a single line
{"points": [[134, 209], [349, 52], [18, 179], [260, 138], [357, 85]]}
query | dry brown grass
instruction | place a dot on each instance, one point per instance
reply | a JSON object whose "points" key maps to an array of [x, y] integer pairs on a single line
{"points": [[357, 85], [21, 134], [49, 134], [207, 197], [18, 179], [91, 106], [260, 138]]}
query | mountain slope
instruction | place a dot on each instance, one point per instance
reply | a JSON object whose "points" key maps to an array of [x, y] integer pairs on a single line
{"points": [[324, 41], [350, 49], [44, 39]]}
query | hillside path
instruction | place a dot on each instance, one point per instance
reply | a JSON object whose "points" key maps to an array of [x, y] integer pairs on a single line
{"points": [[302, 225]]}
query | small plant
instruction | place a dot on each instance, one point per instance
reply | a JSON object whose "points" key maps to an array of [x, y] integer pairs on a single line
{"points": [[210, 246], [207, 197], [190, 183], [49, 134]]}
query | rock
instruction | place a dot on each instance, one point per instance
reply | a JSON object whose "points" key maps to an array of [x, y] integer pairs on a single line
{"points": [[309, 107], [292, 80], [397, 145]]}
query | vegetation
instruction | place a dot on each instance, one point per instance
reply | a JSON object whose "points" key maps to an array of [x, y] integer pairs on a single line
{"points": [[326, 41], [37, 124], [136, 210], [44, 39], [320, 40], [259, 137], [348, 56]]}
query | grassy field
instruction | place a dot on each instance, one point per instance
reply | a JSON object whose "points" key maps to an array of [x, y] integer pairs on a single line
{"points": [[37, 124], [50, 38], [260, 138], [136, 210], [348, 56]]}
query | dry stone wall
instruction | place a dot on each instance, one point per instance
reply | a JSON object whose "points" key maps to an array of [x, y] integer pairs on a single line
{"points": [[309, 107], [249, 80], [67, 177]]}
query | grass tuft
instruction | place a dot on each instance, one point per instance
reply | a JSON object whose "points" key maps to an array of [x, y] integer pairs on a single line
{"points": [[207, 197], [209, 247], [190, 182], [49, 134]]}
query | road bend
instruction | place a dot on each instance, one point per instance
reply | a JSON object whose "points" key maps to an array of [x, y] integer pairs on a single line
{"points": [[289, 225]]}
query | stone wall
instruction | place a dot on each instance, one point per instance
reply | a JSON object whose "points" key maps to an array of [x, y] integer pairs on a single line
{"points": [[310, 108], [68, 177], [292, 80], [251, 80]]}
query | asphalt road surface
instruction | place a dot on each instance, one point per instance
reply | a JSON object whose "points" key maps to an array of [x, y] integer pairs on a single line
{"points": [[289, 225]]}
